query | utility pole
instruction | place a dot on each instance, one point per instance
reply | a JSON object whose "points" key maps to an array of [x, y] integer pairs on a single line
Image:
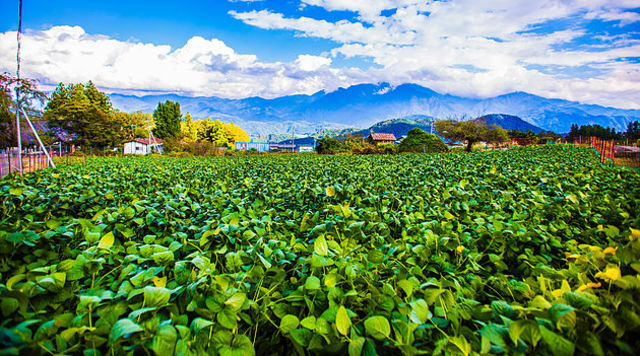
{"points": [[18, 91]]}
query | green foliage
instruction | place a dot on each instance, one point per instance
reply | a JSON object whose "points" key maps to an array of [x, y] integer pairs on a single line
{"points": [[135, 124], [212, 131], [199, 136], [418, 140], [633, 131], [471, 131], [83, 115], [29, 95], [604, 133], [526, 251], [167, 120], [348, 144]]}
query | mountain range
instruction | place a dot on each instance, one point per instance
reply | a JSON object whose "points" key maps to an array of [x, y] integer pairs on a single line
{"points": [[360, 106]]}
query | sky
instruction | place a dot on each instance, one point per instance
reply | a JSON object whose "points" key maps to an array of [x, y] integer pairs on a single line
{"points": [[580, 50]]}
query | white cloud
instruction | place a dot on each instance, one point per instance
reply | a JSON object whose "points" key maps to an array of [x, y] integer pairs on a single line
{"points": [[462, 47], [201, 67], [432, 42]]}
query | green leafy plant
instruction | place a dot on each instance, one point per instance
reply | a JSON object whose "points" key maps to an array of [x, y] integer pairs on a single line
{"points": [[527, 251]]}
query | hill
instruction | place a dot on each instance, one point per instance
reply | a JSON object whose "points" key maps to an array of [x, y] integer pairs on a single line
{"points": [[509, 122], [363, 105]]}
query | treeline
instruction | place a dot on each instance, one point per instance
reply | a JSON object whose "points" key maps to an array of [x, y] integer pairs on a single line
{"points": [[605, 133], [417, 140], [82, 115]]}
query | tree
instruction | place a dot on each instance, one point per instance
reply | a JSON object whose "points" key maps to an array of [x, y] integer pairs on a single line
{"points": [[471, 131], [212, 131], [134, 125], [83, 115], [235, 134], [418, 140], [573, 132], [29, 95], [189, 129], [633, 131], [167, 118]]}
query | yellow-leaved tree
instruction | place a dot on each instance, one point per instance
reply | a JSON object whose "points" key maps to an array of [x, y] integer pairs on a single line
{"points": [[189, 129], [235, 134]]}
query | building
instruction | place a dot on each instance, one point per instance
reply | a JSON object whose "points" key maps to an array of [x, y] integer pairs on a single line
{"points": [[258, 146], [143, 146], [381, 138], [305, 148]]}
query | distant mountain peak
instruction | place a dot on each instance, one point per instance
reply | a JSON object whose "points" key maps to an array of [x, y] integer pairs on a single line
{"points": [[365, 104]]}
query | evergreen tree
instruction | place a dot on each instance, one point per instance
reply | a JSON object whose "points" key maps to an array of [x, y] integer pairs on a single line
{"points": [[83, 115], [633, 131], [167, 119]]}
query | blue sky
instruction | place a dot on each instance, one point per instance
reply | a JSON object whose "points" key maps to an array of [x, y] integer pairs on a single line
{"points": [[583, 50]]}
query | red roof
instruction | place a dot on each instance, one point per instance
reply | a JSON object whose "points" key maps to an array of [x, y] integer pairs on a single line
{"points": [[382, 136], [146, 141]]}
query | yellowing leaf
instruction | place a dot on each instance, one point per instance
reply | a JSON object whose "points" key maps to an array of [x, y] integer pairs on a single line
{"points": [[635, 234], [159, 281], [611, 273], [573, 199], [320, 246], [330, 191], [565, 287], [588, 286], [459, 249], [464, 182], [610, 250], [106, 241], [448, 215]]}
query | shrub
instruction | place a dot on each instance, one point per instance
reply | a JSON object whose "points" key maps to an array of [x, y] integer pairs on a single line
{"points": [[418, 140]]}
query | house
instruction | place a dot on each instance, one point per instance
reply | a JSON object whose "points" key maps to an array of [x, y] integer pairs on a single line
{"points": [[143, 146], [381, 138]]}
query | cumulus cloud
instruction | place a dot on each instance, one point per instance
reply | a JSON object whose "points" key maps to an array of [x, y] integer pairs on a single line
{"points": [[462, 47], [433, 43], [201, 67]]}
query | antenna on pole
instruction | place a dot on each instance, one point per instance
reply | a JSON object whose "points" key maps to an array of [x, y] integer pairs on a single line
{"points": [[18, 135]]}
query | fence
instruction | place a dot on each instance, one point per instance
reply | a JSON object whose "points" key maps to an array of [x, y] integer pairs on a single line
{"points": [[33, 159], [622, 154]]}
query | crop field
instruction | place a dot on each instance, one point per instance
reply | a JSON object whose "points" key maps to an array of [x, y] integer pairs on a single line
{"points": [[533, 250]]}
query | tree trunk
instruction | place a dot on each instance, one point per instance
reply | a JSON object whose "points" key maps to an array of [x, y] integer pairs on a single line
{"points": [[469, 144]]}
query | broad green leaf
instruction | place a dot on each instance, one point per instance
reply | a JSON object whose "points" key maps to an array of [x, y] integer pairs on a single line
{"points": [[123, 328], [164, 341], [301, 336], [289, 322], [236, 301], [312, 283], [377, 327], [355, 346], [343, 322], [558, 345], [106, 241], [320, 246], [419, 311], [156, 296]]}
